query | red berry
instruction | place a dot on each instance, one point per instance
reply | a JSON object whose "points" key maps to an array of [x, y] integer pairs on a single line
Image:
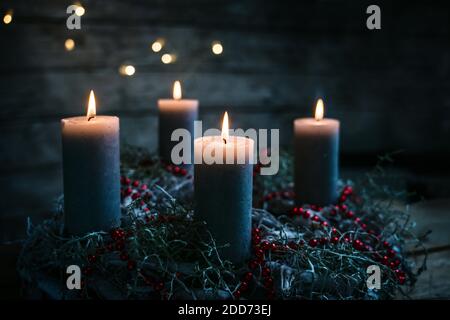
{"points": [[183, 172], [131, 264], [265, 245], [306, 214], [292, 245], [135, 195], [244, 286], [248, 276], [357, 244], [265, 272], [324, 223], [334, 240], [323, 241], [176, 169], [316, 218], [256, 231], [144, 187], [237, 294], [391, 253], [259, 253], [87, 270], [128, 191], [253, 264], [348, 190], [268, 283], [313, 242], [159, 286], [136, 183]]}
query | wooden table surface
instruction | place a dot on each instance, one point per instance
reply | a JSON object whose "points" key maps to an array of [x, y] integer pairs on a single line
{"points": [[433, 284]]}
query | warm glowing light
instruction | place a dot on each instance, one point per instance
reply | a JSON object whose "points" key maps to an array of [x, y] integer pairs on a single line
{"points": [[158, 45], [91, 106], [69, 44], [177, 90], [7, 19], [217, 47], [319, 110], [167, 58], [225, 135], [79, 11], [127, 70]]}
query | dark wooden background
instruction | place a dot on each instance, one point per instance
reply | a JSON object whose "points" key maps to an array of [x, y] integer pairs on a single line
{"points": [[390, 88]]}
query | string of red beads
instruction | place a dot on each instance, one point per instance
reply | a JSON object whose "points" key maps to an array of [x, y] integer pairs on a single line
{"points": [[390, 259]]}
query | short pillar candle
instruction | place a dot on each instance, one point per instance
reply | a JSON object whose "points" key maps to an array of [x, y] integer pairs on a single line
{"points": [[91, 172], [223, 192], [316, 152]]}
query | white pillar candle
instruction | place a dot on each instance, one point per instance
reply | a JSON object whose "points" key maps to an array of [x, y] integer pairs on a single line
{"points": [[91, 171], [223, 191], [174, 114], [316, 158]]}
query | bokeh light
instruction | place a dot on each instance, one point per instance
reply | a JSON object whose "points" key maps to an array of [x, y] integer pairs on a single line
{"points": [[69, 44], [217, 47]]}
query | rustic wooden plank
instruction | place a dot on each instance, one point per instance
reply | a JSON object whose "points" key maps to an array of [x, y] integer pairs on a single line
{"points": [[98, 47], [435, 282], [268, 16], [42, 139], [433, 215]]}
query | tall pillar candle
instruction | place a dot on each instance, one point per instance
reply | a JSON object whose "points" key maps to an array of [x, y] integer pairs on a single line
{"points": [[91, 171], [174, 114], [223, 191], [316, 148]]}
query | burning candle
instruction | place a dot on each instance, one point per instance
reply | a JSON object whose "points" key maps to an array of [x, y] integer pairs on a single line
{"points": [[176, 113], [223, 180], [91, 171], [316, 158]]}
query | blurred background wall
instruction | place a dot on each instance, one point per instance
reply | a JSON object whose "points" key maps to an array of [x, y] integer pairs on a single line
{"points": [[389, 87]]}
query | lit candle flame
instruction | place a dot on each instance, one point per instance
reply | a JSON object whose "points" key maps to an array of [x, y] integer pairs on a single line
{"points": [[225, 135], [177, 90], [91, 106], [319, 110]]}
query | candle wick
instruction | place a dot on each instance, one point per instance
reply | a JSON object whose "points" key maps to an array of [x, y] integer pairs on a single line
{"points": [[91, 117], [224, 140]]}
